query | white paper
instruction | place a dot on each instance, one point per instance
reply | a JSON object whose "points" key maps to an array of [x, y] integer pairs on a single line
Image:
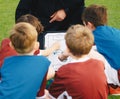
{"points": [[51, 38]]}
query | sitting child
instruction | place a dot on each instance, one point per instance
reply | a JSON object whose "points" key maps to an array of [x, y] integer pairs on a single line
{"points": [[106, 40], [7, 51], [83, 77], [23, 75], [39, 27]]}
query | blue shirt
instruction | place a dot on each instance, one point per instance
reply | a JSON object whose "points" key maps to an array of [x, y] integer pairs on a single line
{"points": [[107, 40], [22, 76]]}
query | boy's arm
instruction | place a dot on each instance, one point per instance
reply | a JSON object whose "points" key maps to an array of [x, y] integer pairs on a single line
{"points": [[41, 92], [63, 56], [50, 50], [51, 73]]}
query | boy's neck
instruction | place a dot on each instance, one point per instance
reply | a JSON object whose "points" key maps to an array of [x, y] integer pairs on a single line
{"points": [[30, 53], [77, 58], [80, 59]]}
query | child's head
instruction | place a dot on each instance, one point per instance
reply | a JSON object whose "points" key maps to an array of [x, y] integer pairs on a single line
{"points": [[79, 40], [23, 37], [95, 14], [32, 20]]}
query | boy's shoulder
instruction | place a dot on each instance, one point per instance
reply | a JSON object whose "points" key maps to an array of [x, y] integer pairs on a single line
{"points": [[72, 64], [5, 42], [106, 28], [6, 50]]}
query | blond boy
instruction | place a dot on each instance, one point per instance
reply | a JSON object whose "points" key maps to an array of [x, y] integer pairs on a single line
{"points": [[83, 77], [23, 75]]}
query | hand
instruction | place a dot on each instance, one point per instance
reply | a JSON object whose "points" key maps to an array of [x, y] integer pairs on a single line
{"points": [[60, 15], [56, 45], [64, 55]]}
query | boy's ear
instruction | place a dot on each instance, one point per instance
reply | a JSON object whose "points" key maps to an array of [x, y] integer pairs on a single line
{"points": [[11, 45], [90, 26], [36, 47]]}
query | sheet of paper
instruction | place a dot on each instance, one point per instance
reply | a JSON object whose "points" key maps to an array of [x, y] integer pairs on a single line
{"points": [[50, 38]]}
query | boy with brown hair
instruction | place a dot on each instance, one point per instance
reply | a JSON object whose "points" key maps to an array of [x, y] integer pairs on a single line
{"points": [[83, 77], [39, 27], [6, 50], [106, 37], [106, 41], [23, 75]]}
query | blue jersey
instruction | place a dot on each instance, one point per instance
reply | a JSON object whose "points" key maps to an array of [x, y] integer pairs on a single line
{"points": [[22, 76], [107, 40]]}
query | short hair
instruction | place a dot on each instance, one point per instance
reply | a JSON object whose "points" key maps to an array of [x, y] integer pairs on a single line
{"points": [[79, 40], [32, 20], [96, 14], [23, 37]]}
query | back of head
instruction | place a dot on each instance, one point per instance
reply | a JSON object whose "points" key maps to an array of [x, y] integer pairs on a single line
{"points": [[32, 20], [23, 37], [95, 14], [79, 40]]}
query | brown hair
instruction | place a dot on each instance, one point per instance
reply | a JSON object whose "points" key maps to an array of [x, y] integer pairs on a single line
{"points": [[32, 20], [23, 37], [95, 14], [79, 40]]}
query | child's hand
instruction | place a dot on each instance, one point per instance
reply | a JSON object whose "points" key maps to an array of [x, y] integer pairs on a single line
{"points": [[63, 56], [56, 45]]}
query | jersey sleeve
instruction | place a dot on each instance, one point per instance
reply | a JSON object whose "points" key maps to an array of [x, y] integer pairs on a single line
{"points": [[57, 88], [42, 88]]}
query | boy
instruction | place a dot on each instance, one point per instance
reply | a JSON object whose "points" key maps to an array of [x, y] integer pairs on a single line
{"points": [[106, 37], [106, 41], [84, 77], [6, 50], [39, 27], [23, 75]]}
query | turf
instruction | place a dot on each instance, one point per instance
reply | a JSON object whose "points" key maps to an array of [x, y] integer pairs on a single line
{"points": [[8, 7]]}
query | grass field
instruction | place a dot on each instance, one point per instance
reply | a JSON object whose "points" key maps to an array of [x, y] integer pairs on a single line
{"points": [[7, 14], [113, 10]]}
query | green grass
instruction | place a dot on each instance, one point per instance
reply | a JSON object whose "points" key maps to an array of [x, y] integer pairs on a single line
{"points": [[113, 10], [7, 14]]}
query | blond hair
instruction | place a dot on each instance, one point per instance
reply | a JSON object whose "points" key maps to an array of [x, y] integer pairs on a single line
{"points": [[79, 40], [23, 37]]}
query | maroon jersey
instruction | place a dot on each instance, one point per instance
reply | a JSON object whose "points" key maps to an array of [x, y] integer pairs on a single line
{"points": [[81, 80]]}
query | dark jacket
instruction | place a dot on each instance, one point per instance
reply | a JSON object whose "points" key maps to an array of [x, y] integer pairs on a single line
{"points": [[43, 9]]}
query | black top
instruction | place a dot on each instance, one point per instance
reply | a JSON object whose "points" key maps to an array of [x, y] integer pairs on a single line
{"points": [[43, 9]]}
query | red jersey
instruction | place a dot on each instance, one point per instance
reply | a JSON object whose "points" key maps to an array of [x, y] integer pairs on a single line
{"points": [[81, 80]]}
